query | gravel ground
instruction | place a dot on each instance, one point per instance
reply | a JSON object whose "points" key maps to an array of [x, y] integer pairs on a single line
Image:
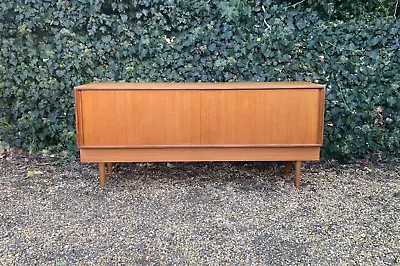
{"points": [[198, 214]]}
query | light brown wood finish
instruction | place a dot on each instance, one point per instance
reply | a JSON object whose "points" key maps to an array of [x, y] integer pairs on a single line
{"points": [[199, 154], [260, 117], [206, 146], [298, 173], [78, 117], [199, 86], [321, 117], [123, 118], [109, 168], [288, 166], [102, 172], [169, 122]]}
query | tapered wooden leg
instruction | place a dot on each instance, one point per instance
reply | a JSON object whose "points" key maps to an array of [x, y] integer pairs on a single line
{"points": [[109, 168], [288, 165], [102, 174], [298, 173]]}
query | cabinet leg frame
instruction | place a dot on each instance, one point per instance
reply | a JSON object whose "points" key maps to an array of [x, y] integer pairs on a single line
{"points": [[286, 171], [288, 166], [109, 168], [102, 172], [298, 174]]}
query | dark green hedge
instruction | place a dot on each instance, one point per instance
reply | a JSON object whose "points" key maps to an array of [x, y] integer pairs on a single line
{"points": [[347, 9], [48, 47]]}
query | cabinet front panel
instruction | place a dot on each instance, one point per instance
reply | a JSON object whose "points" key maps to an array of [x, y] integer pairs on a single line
{"points": [[260, 117], [126, 118]]}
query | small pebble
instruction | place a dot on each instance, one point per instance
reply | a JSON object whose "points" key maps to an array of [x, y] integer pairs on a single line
{"points": [[198, 214]]}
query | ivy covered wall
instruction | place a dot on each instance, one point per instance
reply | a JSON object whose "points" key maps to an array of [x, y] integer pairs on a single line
{"points": [[47, 47]]}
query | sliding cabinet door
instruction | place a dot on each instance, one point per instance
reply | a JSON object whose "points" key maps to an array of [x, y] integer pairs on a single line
{"points": [[140, 117], [260, 117]]}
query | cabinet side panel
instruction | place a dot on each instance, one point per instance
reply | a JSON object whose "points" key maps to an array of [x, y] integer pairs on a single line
{"points": [[260, 116], [156, 117], [321, 119], [78, 117]]}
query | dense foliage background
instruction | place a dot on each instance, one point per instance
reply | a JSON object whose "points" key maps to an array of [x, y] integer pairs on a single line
{"points": [[48, 47]]}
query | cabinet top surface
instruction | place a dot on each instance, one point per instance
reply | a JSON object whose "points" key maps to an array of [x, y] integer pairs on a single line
{"points": [[199, 86]]}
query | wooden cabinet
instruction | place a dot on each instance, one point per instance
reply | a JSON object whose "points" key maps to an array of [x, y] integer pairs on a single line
{"points": [[161, 122]]}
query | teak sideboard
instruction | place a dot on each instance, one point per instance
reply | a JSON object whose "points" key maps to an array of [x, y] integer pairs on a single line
{"points": [[176, 122]]}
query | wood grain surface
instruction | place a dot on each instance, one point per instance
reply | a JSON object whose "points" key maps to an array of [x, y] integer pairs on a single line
{"points": [[199, 154], [121, 118], [260, 117], [170, 122], [198, 86]]}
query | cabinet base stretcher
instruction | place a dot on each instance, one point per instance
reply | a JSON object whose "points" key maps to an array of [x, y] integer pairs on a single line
{"points": [[287, 168], [104, 156]]}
